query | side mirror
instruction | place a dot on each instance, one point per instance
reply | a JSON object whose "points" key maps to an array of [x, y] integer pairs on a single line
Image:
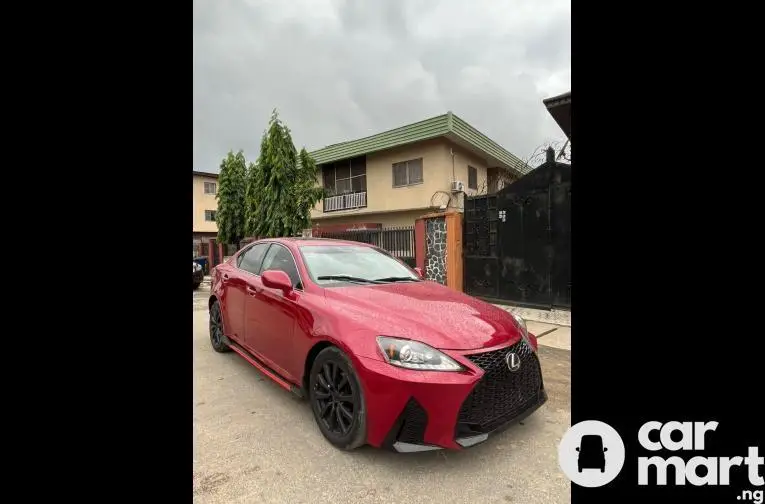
{"points": [[577, 448], [275, 279], [605, 449], [419, 272]]}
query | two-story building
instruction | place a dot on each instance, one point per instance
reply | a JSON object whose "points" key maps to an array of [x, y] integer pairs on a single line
{"points": [[205, 187], [393, 177]]}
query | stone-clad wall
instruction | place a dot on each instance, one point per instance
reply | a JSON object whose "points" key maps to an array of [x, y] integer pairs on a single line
{"points": [[435, 258]]}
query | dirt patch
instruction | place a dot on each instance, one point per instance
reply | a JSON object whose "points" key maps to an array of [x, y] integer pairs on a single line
{"points": [[556, 372], [210, 482]]}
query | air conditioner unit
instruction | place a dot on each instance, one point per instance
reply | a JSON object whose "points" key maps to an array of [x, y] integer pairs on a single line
{"points": [[458, 186]]}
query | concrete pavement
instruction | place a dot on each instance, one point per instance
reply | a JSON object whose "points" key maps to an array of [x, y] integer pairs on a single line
{"points": [[551, 335], [556, 317], [255, 442]]}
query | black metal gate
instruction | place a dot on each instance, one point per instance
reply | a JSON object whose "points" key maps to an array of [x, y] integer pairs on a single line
{"points": [[397, 241], [215, 258], [517, 242]]}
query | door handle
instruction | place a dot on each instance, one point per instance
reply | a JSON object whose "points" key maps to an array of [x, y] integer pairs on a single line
{"points": [[252, 291]]}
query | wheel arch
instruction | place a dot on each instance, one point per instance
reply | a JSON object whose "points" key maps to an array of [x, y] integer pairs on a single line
{"points": [[311, 356], [321, 343]]}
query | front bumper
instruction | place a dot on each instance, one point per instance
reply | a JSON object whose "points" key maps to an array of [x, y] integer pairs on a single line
{"points": [[410, 410]]}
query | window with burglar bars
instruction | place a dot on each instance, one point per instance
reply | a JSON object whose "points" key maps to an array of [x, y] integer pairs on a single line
{"points": [[210, 215], [407, 173], [346, 176], [210, 187]]}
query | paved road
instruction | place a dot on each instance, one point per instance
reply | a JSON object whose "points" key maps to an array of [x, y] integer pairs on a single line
{"points": [[255, 442]]}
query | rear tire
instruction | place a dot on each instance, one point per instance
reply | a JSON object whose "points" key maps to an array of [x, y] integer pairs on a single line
{"points": [[196, 285], [216, 329], [337, 400]]}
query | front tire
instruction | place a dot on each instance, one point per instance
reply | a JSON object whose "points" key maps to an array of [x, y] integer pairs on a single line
{"points": [[217, 339], [337, 400]]}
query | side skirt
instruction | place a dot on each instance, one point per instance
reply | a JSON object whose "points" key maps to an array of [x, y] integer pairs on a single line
{"points": [[270, 373]]}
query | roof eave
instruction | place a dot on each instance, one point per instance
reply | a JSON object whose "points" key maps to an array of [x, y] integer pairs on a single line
{"points": [[559, 108], [554, 101], [204, 174], [317, 157], [491, 161], [444, 126]]}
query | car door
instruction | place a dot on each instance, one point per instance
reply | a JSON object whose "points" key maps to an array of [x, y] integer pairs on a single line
{"points": [[271, 316], [235, 286], [232, 301]]}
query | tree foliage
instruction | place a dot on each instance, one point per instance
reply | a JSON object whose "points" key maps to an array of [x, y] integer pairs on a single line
{"points": [[251, 209], [307, 192], [231, 198], [281, 186]]}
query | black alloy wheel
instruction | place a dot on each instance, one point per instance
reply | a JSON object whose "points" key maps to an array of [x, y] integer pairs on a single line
{"points": [[334, 398], [216, 329], [337, 399]]}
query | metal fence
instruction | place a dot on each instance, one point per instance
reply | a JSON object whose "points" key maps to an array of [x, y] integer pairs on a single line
{"points": [[397, 241]]}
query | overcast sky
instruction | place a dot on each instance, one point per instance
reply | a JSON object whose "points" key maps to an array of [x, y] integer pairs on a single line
{"points": [[343, 69]]}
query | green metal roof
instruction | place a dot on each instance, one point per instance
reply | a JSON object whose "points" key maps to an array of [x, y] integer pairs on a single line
{"points": [[446, 125]]}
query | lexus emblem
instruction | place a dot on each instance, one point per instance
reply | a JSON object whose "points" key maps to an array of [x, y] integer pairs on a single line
{"points": [[513, 361]]}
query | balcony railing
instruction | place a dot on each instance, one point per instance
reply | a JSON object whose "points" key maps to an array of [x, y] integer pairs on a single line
{"points": [[345, 201]]}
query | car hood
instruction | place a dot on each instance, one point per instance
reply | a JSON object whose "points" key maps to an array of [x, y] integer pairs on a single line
{"points": [[424, 311]]}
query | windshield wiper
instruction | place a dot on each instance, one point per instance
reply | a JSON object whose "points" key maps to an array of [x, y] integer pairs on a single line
{"points": [[346, 278], [396, 279]]}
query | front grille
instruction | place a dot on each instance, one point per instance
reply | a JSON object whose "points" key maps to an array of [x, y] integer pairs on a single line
{"points": [[501, 394]]}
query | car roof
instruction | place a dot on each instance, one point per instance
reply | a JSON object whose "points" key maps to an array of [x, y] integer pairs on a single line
{"points": [[300, 241]]}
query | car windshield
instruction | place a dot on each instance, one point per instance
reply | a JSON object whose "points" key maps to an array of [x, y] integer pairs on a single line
{"points": [[594, 443], [332, 264]]}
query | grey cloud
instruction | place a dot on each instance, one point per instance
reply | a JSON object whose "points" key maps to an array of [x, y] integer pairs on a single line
{"points": [[339, 70]]}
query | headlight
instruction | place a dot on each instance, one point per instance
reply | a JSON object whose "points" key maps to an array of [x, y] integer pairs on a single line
{"points": [[415, 355], [521, 323]]}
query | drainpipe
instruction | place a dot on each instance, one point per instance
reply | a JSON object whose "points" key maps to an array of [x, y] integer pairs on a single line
{"points": [[454, 176]]}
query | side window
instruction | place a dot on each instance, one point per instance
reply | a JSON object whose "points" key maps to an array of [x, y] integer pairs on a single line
{"points": [[280, 259], [472, 178], [251, 259]]}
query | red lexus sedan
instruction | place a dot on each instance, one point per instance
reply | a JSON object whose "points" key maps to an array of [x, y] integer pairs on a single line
{"points": [[383, 356]]}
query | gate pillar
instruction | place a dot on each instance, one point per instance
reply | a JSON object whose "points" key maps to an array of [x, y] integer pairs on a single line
{"points": [[438, 248]]}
